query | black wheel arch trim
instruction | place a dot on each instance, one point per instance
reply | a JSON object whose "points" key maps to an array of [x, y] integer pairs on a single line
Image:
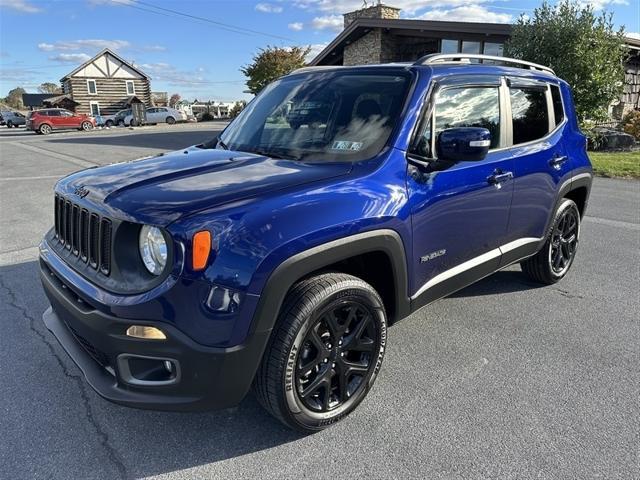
{"points": [[298, 266]]}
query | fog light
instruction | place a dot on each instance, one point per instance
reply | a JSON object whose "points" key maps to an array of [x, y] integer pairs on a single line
{"points": [[148, 333]]}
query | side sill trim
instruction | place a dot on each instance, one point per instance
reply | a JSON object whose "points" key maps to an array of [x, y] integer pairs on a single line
{"points": [[474, 262]]}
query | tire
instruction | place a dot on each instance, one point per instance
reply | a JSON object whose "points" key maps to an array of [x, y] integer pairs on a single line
{"points": [[170, 120], [86, 126], [134, 123], [309, 377], [44, 129], [553, 261], [108, 123], [121, 123], [9, 124]]}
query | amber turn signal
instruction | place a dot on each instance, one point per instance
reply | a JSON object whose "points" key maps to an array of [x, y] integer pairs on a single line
{"points": [[201, 249]]}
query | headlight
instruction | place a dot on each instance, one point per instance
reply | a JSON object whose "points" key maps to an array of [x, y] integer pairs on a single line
{"points": [[153, 249]]}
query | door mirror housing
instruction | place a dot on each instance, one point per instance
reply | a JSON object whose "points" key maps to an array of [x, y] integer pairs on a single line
{"points": [[463, 144]]}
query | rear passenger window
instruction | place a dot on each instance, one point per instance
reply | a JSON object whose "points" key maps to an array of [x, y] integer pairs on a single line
{"points": [[558, 110], [530, 115]]}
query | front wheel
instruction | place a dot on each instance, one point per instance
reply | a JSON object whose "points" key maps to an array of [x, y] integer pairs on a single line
{"points": [[171, 120], [108, 124], [555, 258], [86, 126], [325, 352], [9, 124], [45, 129]]}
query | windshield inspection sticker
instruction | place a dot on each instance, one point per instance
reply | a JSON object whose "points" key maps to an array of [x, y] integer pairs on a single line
{"points": [[346, 145]]}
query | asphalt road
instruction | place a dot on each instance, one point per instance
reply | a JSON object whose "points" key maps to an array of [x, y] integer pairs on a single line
{"points": [[503, 380]]}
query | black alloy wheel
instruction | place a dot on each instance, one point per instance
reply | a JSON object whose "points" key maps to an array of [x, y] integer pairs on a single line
{"points": [[564, 241], [552, 262], [324, 353], [337, 355]]}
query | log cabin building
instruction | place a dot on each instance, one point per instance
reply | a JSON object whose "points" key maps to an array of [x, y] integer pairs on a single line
{"points": [[106, 84]]}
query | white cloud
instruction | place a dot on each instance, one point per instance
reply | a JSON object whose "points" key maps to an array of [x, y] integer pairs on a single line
{"points": [[315, 50], [70, 57], [328, 22], [471, 13], [409, 7], [165, 72], [296, 26], [23, 6], [81, 44], [268, 8], [601, 4]]}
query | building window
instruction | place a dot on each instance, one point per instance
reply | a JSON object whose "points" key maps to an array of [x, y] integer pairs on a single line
{"points": [[131, 89], [449, 46], [470, 47], [95, 108], [495, 49], [91, 87]]}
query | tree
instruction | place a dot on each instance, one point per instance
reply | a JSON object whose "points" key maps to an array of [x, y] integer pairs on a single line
{"points": [[237, 108], [175, 98], [14, 98], [49, 87], [582, 48], [271, 63]]}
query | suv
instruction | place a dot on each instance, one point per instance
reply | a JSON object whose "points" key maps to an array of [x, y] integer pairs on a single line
{"points": [[11, 119], [276, 256], [50, 119]]}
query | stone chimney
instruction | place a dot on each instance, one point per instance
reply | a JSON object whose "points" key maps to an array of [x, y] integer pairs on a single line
{"points": [[376, 11]]}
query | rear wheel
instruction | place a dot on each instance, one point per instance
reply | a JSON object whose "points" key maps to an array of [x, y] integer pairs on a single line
{"points": [[171, 120], [121, 123], [45, 129], [108, 123], [9, 124], [555, 258], [86, 126], [325, 352]]}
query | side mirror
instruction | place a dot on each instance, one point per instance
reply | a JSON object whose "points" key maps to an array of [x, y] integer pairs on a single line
{"points": [[464, 144]]}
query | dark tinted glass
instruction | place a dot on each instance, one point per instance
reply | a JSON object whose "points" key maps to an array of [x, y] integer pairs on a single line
{"points": [[558, 111], [332, 116], [53, 113], [530, 116], [449, 46]]}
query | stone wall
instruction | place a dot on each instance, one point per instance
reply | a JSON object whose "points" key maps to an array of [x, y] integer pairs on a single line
{"points": [[364, 51], [377, 11]]}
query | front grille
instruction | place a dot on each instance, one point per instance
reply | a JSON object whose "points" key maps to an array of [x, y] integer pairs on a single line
{"points": [[85, 234]]}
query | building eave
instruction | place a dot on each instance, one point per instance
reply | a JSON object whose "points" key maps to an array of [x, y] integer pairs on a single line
{"points": [[103, 52]]}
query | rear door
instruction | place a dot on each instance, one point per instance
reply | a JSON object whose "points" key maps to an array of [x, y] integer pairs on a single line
{"points": [[459, 210], [54, 118], [541, 163]]}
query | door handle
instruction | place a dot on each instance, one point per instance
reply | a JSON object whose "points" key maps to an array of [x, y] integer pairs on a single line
{"points": [[557, 161], [498, 178]]}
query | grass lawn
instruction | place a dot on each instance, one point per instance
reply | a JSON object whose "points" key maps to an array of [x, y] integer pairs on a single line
{"points": [[616, 164]]}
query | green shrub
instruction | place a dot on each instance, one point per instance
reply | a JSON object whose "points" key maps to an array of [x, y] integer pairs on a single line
{"points": [[631, 124]]}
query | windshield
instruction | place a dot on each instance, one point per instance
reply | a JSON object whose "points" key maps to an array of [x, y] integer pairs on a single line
{"points": [[332, 116]]}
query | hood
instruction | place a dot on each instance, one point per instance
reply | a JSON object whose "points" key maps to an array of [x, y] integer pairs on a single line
{"points": [[161, 189]]}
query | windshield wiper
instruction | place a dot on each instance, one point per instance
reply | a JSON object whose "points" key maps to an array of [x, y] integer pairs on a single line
{"points": [[269, 154], [222, 144]]}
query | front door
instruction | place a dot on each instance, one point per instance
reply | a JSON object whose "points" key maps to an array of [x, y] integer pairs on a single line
{"points": [[460, 210]]}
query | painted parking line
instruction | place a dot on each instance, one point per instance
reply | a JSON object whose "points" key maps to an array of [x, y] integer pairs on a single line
{"points": [[613, 223]]}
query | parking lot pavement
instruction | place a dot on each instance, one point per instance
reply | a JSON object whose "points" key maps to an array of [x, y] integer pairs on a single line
{"points": [[505, 379]]}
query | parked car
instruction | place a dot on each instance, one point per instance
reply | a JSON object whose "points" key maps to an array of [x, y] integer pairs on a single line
{"points": [[275, 257], [160, 115], [116, 118], [49, 119], [11, 118]]}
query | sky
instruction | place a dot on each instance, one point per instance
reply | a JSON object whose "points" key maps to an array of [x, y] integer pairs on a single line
{"points": [[196, 47]]}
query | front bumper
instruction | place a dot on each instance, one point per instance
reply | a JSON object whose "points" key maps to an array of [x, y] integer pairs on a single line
{"points": [[209, 377]]}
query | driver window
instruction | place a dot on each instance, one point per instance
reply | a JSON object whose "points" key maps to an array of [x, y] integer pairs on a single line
{"points": [[460, 107]]}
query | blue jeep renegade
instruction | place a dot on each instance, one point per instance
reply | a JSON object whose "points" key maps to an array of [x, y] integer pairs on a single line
{"points": [[341, 200]]}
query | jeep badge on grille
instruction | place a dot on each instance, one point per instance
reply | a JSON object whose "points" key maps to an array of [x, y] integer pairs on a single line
{"points": [[81, 191]]}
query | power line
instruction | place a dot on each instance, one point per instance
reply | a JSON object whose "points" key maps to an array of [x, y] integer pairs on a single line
{"points": [[221, 25]]}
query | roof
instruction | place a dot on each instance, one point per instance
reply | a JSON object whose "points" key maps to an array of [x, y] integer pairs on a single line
{"points": [[59, 98], [103, 52], [434, 28], [363, 25], [36, 99]]}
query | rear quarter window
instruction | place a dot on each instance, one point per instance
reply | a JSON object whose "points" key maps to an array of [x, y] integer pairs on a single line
{"points": [[558, 109]]}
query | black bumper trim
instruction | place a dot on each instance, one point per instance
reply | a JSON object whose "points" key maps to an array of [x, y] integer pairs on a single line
{"points": [[211, 378]]}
